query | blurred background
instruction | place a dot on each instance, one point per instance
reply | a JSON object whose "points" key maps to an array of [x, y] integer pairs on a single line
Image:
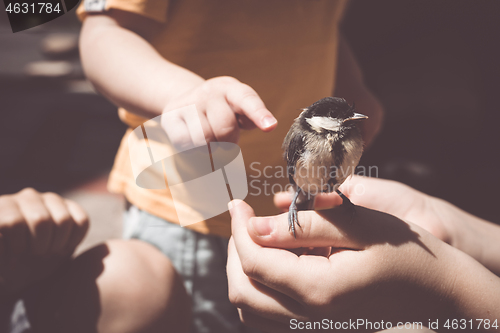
{"points": [[56, 133], [433, 64], [435, 67]]}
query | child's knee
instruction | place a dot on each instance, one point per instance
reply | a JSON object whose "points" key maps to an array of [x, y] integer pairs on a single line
{"points": [[141, 291]]}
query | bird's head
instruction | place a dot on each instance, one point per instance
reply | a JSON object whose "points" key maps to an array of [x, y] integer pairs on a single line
{"points": [[330, 114]]}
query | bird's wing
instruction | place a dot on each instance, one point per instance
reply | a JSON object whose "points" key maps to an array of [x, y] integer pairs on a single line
{"points": [[293, 147]]}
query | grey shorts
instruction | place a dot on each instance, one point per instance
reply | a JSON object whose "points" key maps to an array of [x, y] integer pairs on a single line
{"points": [[19, 322], [201, 261]]}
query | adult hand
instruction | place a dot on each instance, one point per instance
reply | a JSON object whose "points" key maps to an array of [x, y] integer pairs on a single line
{"points": [[37, 233], [381, 268], [224, 105], [468, 233], [390, 197]]}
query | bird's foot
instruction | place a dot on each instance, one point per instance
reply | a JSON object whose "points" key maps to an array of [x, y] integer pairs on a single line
{"points": [[293, 218]]}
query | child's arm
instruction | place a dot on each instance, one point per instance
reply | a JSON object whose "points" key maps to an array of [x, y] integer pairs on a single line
{"points": [[124, 67]]}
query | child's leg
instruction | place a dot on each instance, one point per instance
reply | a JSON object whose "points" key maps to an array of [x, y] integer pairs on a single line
{"points": [[119, 286], [201, 262]]}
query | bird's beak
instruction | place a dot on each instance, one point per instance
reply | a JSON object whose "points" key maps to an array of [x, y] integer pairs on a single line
{"points": [[357, 116]]}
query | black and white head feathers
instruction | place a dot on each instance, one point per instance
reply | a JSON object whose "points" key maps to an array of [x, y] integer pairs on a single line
{"points": [[324, 135]]}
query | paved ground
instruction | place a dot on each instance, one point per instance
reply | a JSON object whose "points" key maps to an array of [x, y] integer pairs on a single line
{"points": [[105, 211], [436, 70]]}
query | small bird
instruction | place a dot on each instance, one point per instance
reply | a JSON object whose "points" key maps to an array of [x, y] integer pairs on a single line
{"points": [[322, 149]]}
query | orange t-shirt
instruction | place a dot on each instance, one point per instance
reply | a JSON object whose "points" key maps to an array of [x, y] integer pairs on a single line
{"points": [[285, 49]]}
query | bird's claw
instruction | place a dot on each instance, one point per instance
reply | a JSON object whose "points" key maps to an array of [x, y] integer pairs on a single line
{"points": [[348, 204], [293, 218]]}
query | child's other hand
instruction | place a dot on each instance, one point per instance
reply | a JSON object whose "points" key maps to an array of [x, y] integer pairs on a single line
{"points": [[38, 231], [225, 105]]}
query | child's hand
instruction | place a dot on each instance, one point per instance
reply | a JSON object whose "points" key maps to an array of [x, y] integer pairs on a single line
{"points": [[224, 106], [381, 268], [37, 233]]}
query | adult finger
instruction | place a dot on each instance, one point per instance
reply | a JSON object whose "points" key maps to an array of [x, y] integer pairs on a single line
{"points": [[244, 100], [282, 200], [63, 222], [314, 231], [384, 195], [360, 190], [252, 296], [276, 268]]}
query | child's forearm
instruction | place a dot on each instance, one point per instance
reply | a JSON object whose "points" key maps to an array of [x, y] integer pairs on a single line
{"points": [[126, 69]]}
